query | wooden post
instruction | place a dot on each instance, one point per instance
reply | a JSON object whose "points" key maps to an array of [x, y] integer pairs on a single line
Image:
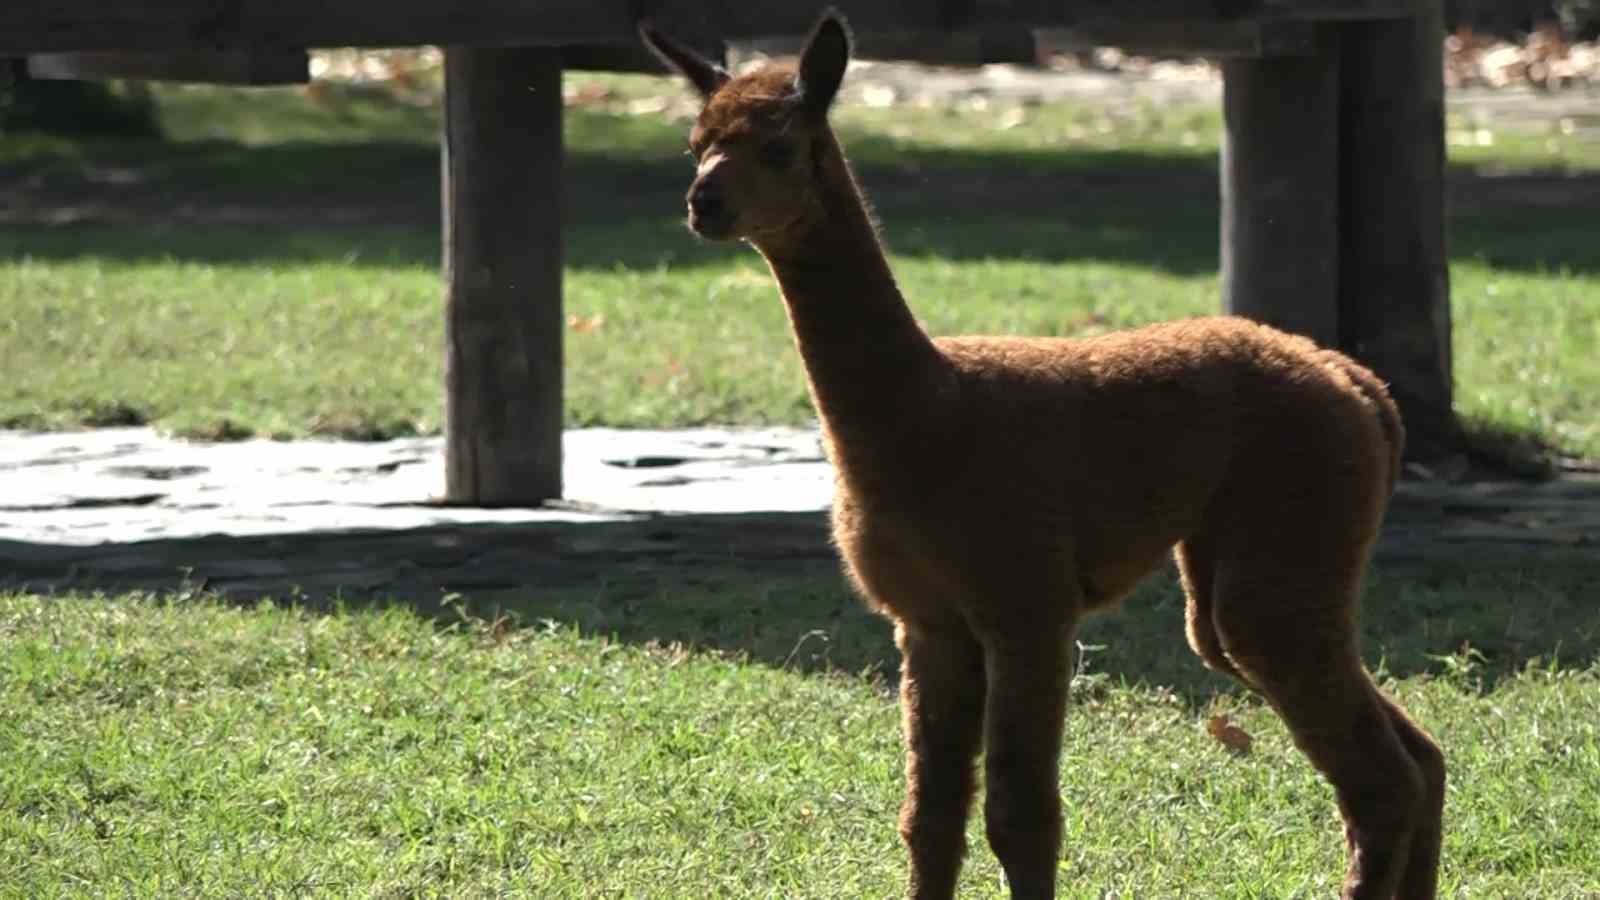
{"points": [[1394, 294], [502, 185], [1280, 190]]}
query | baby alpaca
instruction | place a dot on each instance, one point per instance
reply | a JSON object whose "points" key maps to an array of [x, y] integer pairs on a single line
{"points": [[993, 490]]}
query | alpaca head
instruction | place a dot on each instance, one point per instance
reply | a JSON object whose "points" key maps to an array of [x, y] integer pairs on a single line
{"points": [[761, 143]]}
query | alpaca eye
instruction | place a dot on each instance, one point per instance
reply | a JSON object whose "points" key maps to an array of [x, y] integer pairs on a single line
{"points": [[778, 154]]}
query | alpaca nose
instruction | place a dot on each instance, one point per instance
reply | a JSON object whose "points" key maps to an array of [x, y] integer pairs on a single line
{"points": [[705, 201]]}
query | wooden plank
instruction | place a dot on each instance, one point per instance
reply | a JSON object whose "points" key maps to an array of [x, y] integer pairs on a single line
{"points": [[65, 25], [1335, 10], [42, 26], [966, 48], [1280, 191], [1047, 13], [974, 47], [246, 67], [633, 57], [1218, 40], [1394, 288], [503, 191], [770, 18], [611, 58]]}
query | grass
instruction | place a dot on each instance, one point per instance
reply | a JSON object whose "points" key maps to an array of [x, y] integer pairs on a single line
{"points": [[735, 736], [181, 746], [1052, 219]]}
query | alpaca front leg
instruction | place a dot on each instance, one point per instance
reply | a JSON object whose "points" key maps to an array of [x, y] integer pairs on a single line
{"points": [[941, 700], [1028, 677]]}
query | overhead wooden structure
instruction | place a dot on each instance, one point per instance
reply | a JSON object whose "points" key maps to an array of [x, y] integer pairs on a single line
{"points": [[39, 26], [1332, 170], [243, 67]]}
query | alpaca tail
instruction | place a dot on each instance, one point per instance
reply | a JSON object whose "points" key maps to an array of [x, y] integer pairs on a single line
{"points": [[1383, 405]]}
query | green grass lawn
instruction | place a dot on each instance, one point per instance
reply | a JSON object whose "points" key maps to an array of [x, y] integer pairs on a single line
{"points": [[273, 268], [734, 740]]}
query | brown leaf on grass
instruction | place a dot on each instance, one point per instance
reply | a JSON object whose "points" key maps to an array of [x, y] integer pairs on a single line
{"points": [[1229, 735], [581, 324]]}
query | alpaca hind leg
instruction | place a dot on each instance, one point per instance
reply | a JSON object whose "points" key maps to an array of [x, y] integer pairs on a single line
{"points": [[1028, 681], [941, 700], [1197, 568], [1422, 867], [1292, 635]]}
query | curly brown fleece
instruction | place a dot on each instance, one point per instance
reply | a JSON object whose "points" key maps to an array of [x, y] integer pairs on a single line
{"points": [[993, 490]]}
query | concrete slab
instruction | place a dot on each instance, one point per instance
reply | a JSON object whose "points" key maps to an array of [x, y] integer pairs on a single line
{"points": [[134, 484], [127, 509]]}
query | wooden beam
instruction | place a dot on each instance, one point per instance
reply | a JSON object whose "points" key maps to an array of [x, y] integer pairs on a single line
{"points": [[245, 67], [1334, 10], [1219, 40], [965, 48], [1394, 282], [46, 26], [633, 57], [65, 25], [503, 190], [975, 47], [611, 58], [756, 18], [1280, 191]]}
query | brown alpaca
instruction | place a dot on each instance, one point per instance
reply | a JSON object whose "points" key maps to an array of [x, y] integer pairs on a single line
{"points": [[993, 490]]}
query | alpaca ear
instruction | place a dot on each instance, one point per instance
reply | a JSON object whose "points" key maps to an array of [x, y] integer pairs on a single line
{"points": [[822, 63], [705, 75]]}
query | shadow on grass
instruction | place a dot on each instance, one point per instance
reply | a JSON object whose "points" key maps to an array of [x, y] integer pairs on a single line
{"points": [[227, 204], [376, 202], [767, 587]]}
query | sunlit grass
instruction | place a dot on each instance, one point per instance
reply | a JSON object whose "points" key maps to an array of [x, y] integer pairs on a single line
{"points": [[1058, 218], [189, 747]]}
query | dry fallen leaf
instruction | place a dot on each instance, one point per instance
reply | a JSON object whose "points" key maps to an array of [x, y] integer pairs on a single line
{"points": [[586, 323], [589, 95], [1233, 737]]}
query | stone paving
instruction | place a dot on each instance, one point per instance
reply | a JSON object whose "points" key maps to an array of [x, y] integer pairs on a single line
{"points": [[122, 509], [131, 484]]}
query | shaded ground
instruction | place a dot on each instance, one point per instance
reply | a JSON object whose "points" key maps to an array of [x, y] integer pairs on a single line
{"points": [[130, 195], [1504, 568], [1491, 523], [394, 183], [126, 509]]}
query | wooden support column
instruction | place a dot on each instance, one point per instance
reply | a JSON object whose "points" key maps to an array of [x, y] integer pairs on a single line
{"points": [[1394, 288], [502, 185], [1280, 190]]}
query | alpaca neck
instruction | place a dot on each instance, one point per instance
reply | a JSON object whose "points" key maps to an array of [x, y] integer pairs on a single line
{"points": [[870, 366]]}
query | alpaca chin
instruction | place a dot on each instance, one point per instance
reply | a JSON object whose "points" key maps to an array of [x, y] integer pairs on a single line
{"points": [[712, 229]]}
